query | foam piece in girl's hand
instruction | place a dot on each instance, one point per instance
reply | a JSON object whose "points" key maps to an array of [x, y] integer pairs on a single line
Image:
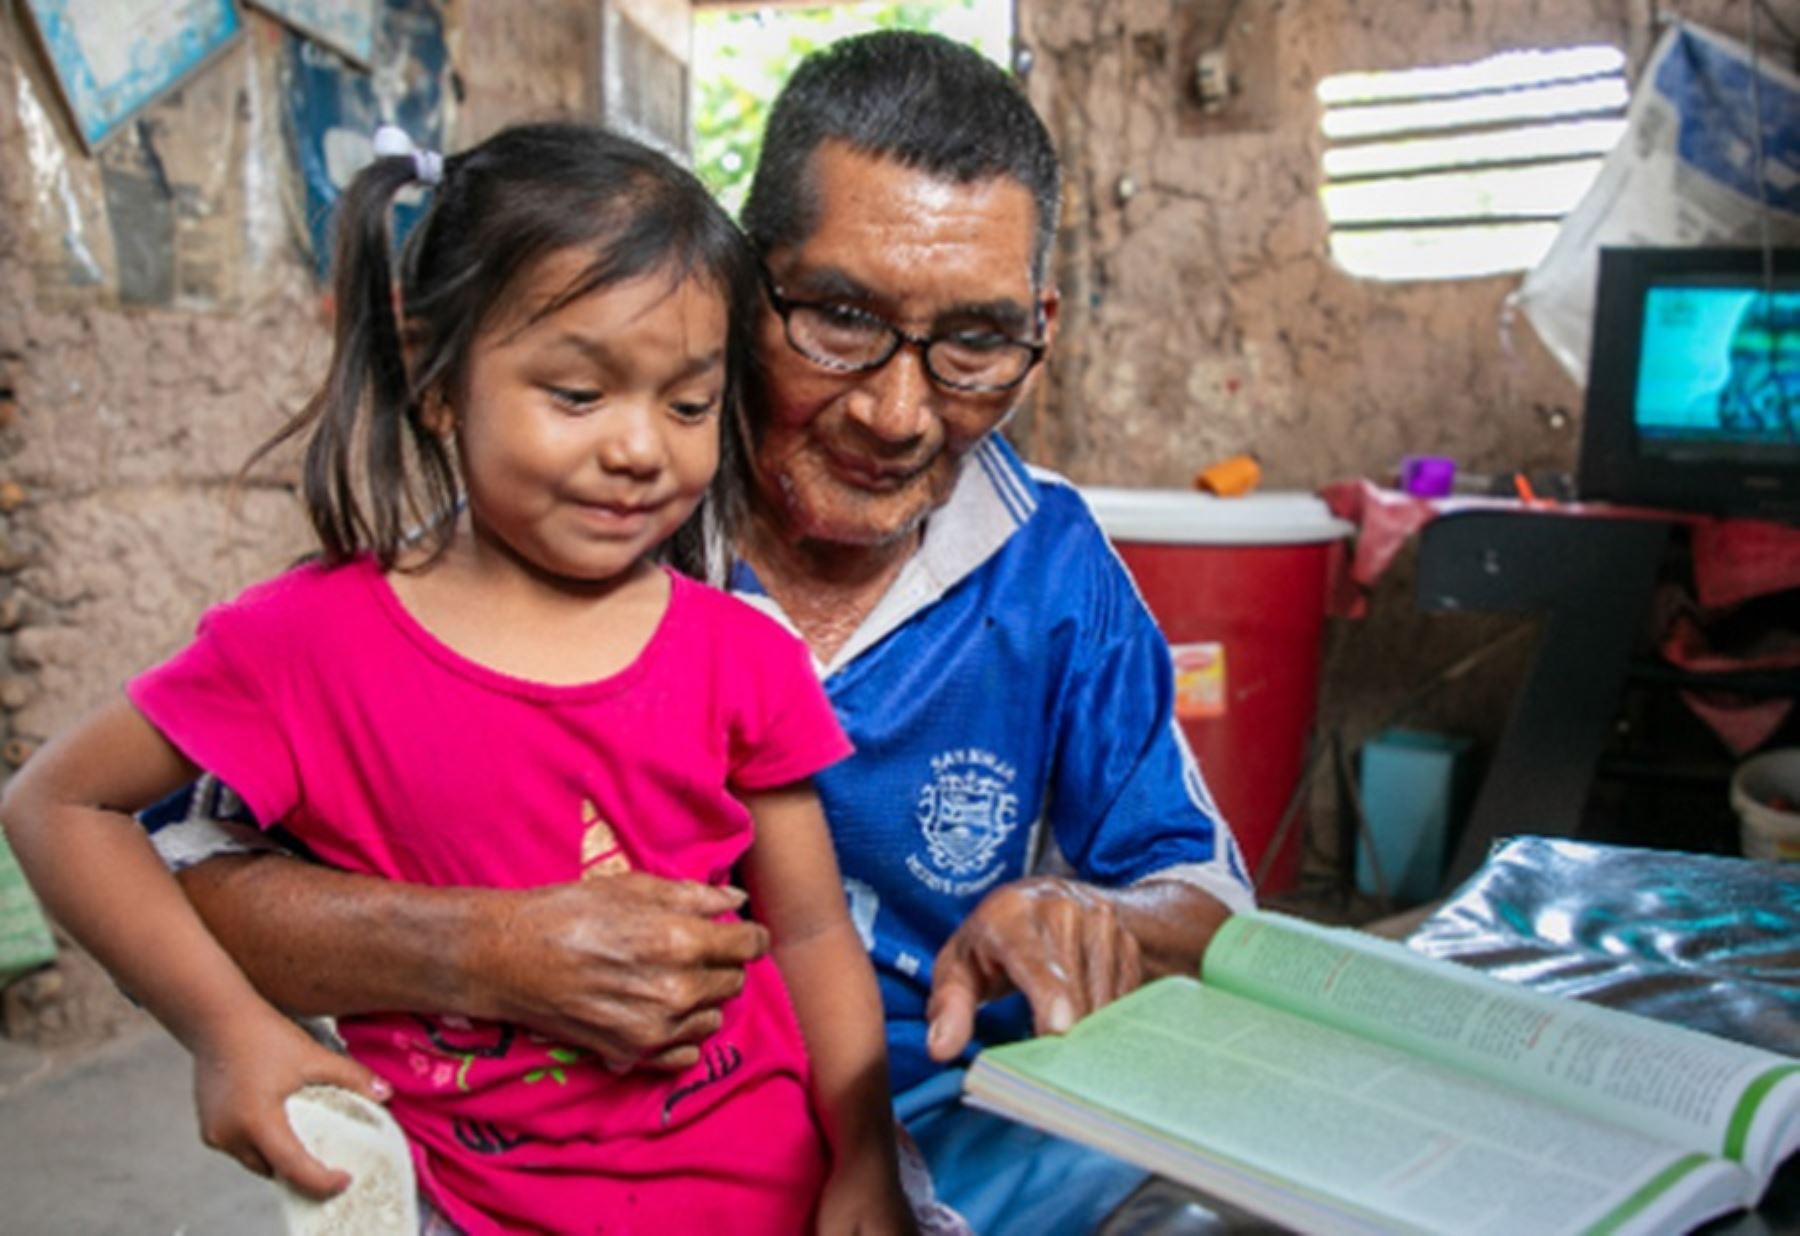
{"points": [[346, 1131]]}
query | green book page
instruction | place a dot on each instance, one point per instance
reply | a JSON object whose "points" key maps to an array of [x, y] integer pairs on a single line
{"points": [[1256, 1103], [1700, 1092]]}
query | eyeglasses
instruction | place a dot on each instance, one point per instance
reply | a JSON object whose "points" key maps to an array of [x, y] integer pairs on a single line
{"points": [[851, 340]]}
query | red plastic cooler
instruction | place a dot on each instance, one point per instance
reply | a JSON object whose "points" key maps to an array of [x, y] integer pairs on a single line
{"points": [[1238, 586]]}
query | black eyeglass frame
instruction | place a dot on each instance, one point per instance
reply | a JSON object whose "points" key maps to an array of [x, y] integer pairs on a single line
{"points": [[785, 305]]}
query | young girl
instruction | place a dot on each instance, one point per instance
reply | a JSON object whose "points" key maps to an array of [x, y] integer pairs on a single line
{"points": [[523, 695]]}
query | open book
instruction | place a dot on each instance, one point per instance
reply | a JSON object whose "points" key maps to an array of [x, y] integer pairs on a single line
{"points": [[1335, 1082]]}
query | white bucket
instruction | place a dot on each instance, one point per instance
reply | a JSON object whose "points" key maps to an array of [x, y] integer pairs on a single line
{"points": [[1768, 831]]}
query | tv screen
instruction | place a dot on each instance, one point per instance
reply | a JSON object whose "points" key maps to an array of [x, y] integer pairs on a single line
{"points": [[1719, 372], [1693, 395]]}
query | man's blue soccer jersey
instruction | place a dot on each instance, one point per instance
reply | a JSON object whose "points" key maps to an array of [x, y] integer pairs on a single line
{"points": [[1012, 705]]}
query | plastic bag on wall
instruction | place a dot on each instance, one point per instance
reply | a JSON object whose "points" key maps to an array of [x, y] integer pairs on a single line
{"points": [[191, 191], [61, 214], [331, 111], [1684, 174], [180, 208]]}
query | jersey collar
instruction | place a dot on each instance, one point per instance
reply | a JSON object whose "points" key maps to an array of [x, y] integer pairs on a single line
{"points": [[992, 499]]}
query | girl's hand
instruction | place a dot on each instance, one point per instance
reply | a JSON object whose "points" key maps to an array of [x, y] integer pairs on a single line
{"points": [[242, 1078], [863, 1198]]}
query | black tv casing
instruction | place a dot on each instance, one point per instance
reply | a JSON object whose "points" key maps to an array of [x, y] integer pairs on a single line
{"points": [[1613, 468]]}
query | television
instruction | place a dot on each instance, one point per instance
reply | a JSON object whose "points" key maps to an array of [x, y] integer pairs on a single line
{"points": [[1693, 396]]}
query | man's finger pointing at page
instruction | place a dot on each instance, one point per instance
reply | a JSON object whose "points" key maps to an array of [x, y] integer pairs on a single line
{"points": [[950, 1014], [1012, 941]]}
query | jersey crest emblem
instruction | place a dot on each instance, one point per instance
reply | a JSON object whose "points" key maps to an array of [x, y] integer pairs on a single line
{"points": [[966, 810]]}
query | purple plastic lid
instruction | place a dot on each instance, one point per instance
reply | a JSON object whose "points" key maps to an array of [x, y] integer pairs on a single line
{"points": [[1427, 476]]}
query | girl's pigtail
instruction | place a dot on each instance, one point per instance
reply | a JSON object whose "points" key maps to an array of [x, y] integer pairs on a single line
{"points": [[368, 369]]}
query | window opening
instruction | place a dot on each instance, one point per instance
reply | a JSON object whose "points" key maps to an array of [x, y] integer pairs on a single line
{"points": [[1456, 171]]}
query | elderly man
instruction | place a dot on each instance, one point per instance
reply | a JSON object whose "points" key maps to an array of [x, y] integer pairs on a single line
{"points": [[1023, 833]]}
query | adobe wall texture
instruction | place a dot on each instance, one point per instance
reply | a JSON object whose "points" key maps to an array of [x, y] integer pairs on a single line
{"points": [[1202, 313], [126, 426]]}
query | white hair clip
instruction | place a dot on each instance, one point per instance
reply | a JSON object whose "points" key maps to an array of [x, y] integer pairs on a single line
{"points": [[392, 140]]}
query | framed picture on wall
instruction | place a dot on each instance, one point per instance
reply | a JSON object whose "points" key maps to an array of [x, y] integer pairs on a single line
{"points": [[111, 58], [347, 27]]}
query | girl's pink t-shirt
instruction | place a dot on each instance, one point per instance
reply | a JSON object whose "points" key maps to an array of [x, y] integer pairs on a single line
{"points": [[328, 708]]}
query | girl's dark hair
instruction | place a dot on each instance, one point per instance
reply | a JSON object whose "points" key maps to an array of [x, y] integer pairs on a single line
{"points": [[377, 479]]}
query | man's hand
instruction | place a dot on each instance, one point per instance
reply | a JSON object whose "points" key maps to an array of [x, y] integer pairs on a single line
{"points": [[1060, 942], [631, 967], [1069, 947]]}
